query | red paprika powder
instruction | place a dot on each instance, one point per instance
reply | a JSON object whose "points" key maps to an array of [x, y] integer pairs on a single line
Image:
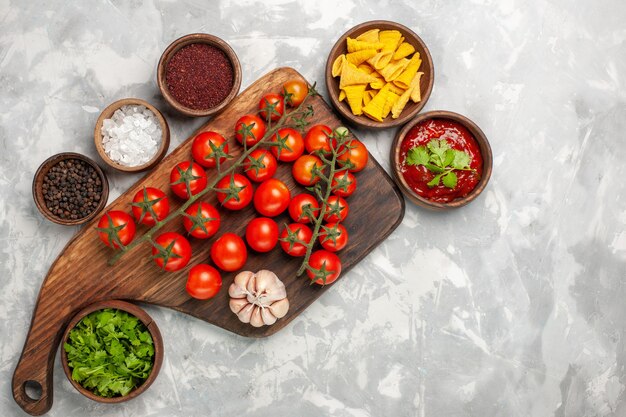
{"points": [[199, 76]]}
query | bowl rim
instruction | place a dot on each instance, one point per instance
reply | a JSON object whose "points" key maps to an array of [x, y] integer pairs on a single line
{"points": [[364, 121], [37, 191], [108, 112], [145, 318], [183, 41], [485, 151]]}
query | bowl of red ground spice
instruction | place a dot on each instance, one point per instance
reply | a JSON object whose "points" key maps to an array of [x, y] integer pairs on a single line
{"points": [[199, 74]]}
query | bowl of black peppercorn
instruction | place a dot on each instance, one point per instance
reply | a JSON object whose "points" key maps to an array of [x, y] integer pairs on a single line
{"points": [[70, 189]]}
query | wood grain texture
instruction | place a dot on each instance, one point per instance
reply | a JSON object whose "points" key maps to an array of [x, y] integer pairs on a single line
{"points": [[80, 275]]}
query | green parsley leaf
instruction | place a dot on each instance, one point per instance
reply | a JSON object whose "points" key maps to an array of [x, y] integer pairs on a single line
{"points": [[441, 159], [461, 160], [449, 180], [417, 156]]}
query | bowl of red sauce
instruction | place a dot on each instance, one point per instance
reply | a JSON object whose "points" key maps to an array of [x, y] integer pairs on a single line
{"points": [[199, 74], [441, 160]]}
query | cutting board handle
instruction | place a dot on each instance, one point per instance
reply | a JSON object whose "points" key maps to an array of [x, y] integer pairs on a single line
{"points": [[32, 379]]}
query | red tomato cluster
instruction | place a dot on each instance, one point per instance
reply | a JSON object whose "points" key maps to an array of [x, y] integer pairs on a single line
{"points": [[172, 251]]}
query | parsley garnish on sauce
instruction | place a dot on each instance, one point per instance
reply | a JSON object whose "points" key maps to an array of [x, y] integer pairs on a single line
{"points": [[438, 157], [110, 352]]}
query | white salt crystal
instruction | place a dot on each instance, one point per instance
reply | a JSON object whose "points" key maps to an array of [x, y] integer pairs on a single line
{"points": [[132, 136]]}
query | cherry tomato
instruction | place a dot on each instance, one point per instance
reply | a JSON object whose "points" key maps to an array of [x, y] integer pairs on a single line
{"points": [[109, 232], [171, 251], [190, 171], [203, 152], [318, 139], [203, 282], [201, 220], [337, 209], [260, 165], [297, 208], [292, 236], [229, 252], [262, 234], [272, 99], [291, 145], [150, 201], [295, 92], [333, 237], [356, 154], [327, 267], [303, 170], [343, 183], [253, 126], [272, 197], [237, 192]]}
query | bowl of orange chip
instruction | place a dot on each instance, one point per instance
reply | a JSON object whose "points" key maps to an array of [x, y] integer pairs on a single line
{"points": [[379, 74]]}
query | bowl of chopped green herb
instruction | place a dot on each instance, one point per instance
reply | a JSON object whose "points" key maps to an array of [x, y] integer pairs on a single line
{"points": [[112, 351]]}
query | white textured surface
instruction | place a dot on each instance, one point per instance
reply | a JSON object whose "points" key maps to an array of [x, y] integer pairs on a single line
{"points": [[512, 306]]}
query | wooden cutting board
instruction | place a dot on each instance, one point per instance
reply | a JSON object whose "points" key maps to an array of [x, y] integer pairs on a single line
{"points": [[81, 276]]}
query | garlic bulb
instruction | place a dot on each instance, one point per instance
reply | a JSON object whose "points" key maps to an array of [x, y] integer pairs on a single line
{"points": [[259, 299]]}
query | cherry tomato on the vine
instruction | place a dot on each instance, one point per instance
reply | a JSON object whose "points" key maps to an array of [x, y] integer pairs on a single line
{"points": [[235, 191], [326, 265], [295, 92], [203, 282], [252, 127], [292, 236], [317, 138], [187, 172], [116, 228], [147, 202], [229, 252], [290, 144], [343, 183], [274, 101], [205, 147], [337, 209], [262, 234], [272, 197], [260, 165], [297, 208], [304, 169], [201, 220], [333, 237], [356, 153], [171, 251]]}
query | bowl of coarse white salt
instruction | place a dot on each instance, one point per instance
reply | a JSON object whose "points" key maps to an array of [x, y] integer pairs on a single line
{"points": [[131, 135]]}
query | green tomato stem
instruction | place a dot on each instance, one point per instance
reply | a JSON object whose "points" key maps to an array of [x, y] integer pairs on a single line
{"points": [[211, 187]]}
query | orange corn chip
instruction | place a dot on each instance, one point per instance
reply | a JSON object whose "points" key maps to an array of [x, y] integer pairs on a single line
{"points": [[369, 36], [416, 94], [350, 75], [355, 45], [404, 80], [405, 49], [354, 95], [374, 109], [338, 64], [361, 56], [389, 102], [392, 70], [380, 60]]}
